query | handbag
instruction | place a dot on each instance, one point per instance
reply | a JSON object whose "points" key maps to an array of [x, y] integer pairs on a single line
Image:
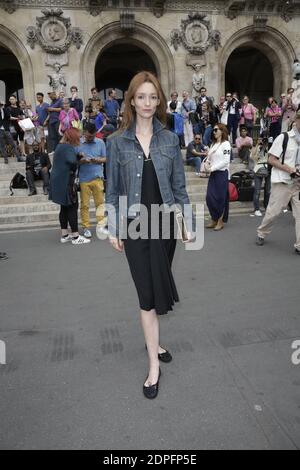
{"points": [[182, 229], [26, 124], [263, 171], [205, 167], [233, 192], [18, 182]]}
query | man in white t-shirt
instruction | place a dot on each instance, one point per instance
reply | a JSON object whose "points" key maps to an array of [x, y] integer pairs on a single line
{"points": [[285, 183]]}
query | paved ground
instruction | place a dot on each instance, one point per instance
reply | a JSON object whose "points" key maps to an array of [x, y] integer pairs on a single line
{"points": [[76, 359]]}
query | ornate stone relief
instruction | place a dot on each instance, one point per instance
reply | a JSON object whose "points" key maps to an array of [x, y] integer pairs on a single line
{"points": [[158, 7], [127, 21], [54, 33], [285, 8], [259, 23], [196, 35], [95, 7]]}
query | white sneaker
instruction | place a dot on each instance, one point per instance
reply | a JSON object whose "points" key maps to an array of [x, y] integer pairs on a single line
{"points": [[87, 233], [80, 240], [66, 239], [258, 213], [101, 232]]}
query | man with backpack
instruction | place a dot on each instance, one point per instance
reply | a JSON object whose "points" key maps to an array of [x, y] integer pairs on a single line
{"points": [[284, 156]]}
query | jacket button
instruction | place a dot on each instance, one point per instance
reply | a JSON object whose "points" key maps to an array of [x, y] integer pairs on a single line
{"points": [[136, 194], [138, 174], [139, 156]]}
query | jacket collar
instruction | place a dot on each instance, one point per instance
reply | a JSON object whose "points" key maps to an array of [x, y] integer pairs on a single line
{"points": [[130, 132]]}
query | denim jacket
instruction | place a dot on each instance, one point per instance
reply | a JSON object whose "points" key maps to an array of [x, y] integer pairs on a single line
{"points": [[124, 168]]}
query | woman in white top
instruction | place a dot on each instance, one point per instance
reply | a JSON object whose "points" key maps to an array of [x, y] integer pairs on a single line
{"points": [[218, 160]]}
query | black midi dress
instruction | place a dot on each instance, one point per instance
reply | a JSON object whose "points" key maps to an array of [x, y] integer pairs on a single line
{"points": [[150, 259]]}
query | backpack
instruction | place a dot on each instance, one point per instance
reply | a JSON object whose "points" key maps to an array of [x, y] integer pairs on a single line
{"points": [[18, 182], [178, 124]]}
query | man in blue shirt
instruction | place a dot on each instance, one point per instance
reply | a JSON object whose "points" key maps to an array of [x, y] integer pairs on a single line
{"points": [[42, 113], [93, 155], [54, 109], [112, 108]]}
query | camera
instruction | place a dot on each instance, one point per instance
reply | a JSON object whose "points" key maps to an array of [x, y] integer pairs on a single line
{"points": [[296, 69]]}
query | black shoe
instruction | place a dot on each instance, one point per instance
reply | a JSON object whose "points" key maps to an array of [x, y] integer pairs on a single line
{"points": [[32, 193], [260, 241], [152, 391], [6, 161], [297, 251], [163, 357]]}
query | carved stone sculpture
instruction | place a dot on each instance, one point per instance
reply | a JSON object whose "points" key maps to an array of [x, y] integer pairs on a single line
{"points": [[196, 35], [54, 33], [57, 80], [198, 80]]}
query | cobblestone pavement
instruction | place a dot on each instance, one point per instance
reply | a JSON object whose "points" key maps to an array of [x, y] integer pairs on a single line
{"points": [[75, 356]]}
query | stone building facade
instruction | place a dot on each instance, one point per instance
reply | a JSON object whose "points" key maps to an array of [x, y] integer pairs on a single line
{"points": [[243, 45]]}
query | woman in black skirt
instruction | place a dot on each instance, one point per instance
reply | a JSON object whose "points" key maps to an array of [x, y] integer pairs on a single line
{"points": [[144, 163]]}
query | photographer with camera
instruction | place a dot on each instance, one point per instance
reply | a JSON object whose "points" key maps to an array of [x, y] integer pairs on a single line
{"points": [[258, 163], [284, 156]]}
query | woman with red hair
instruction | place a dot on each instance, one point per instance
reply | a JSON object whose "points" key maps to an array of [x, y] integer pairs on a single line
{"points": [[62, 188], [144, 164]]}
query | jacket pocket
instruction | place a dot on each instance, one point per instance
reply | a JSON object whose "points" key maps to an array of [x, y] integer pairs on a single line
{"points": [[124, 158], [167, 157]]}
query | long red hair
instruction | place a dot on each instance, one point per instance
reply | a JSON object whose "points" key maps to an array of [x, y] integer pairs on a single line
{"points": [[138, 80]]}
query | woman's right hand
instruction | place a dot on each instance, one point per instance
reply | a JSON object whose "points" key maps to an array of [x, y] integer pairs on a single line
{"points": [[116, 243]]}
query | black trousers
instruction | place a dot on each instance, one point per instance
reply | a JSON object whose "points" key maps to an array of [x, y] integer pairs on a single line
{"points": [[69, 215], [32, 175], [232, 126], [6, 138], [54, 137]]}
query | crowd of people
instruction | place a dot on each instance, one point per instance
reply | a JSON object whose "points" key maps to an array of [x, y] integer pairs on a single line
{"points": [[32, 135]]}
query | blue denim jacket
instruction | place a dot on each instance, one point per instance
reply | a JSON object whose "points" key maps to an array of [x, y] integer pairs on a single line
{"points": [[124, 169]]}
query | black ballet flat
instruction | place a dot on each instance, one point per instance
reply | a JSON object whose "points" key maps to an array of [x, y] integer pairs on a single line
{"points": [[165, 356], [152, 391]]}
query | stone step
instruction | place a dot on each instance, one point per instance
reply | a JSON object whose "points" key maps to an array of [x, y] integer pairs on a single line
{"points": [[235, 209], [28, 217], [5, 191], [16, 209], [23, 199]]}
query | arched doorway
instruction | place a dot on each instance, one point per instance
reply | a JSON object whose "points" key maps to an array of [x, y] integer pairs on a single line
{"points": [[116, 66], [272, 44], [249, 72], [11, 79], [144, 38], [19, 62]]}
